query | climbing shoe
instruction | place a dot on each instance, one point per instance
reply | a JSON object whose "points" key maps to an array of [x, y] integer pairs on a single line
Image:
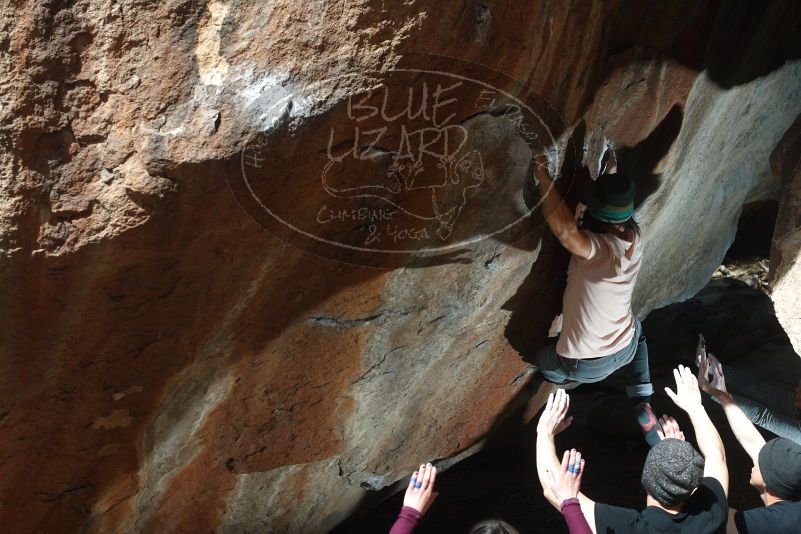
{"points": [[649, 425]]}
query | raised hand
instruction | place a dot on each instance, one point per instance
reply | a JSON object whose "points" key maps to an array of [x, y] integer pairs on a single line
{"points": [[687, 395], [670, 428], [566, 483], [420, 493], [553, 419]]}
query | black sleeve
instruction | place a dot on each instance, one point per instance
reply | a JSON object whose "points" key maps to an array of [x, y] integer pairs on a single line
{"points": [[615, 519], [754, 521], [716, 489]]}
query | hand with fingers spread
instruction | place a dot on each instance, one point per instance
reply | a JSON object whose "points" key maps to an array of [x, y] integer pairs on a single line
{"points": [[420, 493], [687, 395], [554, 417], [566, 483], [710, 376], [670, 428]]}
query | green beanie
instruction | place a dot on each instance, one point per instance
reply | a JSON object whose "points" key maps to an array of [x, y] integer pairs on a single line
{"points": [[610, 198]]}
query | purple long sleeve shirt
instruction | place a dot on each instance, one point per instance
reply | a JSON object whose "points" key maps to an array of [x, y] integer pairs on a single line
{"points": [[406, 522], [576, 522]]}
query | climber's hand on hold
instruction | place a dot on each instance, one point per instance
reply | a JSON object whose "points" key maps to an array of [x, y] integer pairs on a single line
{"points": [[420, 492], [670, 428], [554, 417], [687, 395], [567, 482], [540, 159], [541, 172], [610, 165]]}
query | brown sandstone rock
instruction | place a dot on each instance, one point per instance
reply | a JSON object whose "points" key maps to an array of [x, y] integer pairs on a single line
{"points": [[167, 365]]}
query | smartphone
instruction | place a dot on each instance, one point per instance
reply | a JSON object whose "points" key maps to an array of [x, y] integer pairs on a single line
{"points": [[700, 352]]}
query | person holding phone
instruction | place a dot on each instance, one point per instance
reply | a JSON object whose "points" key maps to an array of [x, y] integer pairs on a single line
{"points": [[767, 406], [776, 471]]}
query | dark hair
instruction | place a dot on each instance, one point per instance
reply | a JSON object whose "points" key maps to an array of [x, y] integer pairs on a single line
{"points": [[592, 224], [493, 526]]}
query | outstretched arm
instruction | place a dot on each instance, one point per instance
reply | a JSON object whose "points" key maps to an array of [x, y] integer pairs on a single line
{"points": [[688, 397], [744, 430], [552, 418], [552, 421], [419, 496], [558, 215], [565, 486]]}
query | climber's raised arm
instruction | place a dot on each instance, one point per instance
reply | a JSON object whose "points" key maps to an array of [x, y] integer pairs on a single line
{"points": [[557, 214]]}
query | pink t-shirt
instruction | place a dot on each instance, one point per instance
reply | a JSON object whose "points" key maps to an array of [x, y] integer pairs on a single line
{"points": [[597, 302]]}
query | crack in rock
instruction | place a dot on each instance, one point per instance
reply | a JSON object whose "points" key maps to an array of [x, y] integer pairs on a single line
{"points": [[340, 323]]}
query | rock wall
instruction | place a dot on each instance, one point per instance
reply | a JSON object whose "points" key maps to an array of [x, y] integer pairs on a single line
{"points": [[785, 272], [167, 365]]}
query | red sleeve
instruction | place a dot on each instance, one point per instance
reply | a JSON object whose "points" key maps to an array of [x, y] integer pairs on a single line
{"points": [[406, 522], [576, 522]]}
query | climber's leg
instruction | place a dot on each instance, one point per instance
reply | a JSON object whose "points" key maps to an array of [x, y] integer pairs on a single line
{"points": [[649, 424], [638, 381], [639, 388]]}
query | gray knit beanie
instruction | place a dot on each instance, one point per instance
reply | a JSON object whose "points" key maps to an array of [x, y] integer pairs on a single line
{"points": [[673, 469], [780, 465]]}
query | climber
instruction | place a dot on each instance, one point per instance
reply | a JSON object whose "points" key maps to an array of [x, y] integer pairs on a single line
{"points": [[776, 471], [599, 334], [686, 492]]}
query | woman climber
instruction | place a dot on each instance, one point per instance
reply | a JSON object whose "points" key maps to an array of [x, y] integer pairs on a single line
{"points": [[600, 333]]}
